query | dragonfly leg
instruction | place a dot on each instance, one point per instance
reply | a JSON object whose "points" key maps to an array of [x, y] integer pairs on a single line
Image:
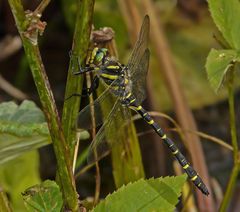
{"points": [[87, 91], [80, 69]]}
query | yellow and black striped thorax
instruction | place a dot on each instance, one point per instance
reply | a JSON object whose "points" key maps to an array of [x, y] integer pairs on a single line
{"points": [[110, 71]]}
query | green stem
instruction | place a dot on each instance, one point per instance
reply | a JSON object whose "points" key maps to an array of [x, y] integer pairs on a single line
{"points": [[235, 170], [4, 203], [74, 83], [41, 7], [230, 187], [67, 183]]}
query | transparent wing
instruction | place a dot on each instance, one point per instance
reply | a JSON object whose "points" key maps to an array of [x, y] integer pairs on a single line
{"points": [[95, 110], [140, 46], [139, 77], [115, 127]]}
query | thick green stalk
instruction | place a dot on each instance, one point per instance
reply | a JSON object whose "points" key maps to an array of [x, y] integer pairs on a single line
{"points": [[236, 168], [61, 150], [74, 83]]}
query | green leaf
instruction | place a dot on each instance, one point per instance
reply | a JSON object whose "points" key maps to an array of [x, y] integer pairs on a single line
{"points": [[17, 175], [218, 64], [226, 15], [44, 197], [22, 128], [159, 194]]}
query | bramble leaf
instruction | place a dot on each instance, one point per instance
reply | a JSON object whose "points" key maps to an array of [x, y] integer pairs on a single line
{"points": [[226, 15], [218, 64], [159, 194], [43, 197]]}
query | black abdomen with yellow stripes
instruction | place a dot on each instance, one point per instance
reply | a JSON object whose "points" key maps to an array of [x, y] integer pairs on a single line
{"points": [[115, 75], [128, 83], [192, 174]]}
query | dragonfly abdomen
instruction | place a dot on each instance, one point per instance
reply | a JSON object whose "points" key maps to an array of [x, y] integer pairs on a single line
{"points": [[192, 174]]}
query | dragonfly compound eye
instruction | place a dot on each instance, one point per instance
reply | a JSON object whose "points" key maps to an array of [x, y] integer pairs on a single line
{"points": [[100, 55]]}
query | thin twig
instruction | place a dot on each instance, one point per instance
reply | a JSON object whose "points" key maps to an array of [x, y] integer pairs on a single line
{"points": [[42, 6], [11, 90], [98, 176], [180, 130], [9, 45]]}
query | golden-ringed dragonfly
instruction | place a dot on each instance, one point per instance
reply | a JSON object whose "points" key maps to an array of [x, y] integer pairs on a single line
{"points": [[126, 84]]}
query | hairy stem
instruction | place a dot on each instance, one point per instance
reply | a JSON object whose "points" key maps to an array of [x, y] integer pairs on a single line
{"points": [[67, 183]]}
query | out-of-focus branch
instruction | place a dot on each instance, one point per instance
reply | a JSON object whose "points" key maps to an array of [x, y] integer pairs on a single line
{"points": [[11, 90], [9, 45]]}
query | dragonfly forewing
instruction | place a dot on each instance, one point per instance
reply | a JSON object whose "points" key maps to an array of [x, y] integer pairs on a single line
{"points": [[114, 129]]}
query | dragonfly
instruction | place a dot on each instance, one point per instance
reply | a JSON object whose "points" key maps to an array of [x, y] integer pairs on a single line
{"points": [[125, 85]]}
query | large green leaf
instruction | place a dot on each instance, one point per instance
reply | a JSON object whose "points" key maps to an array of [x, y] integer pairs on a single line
{"points": [[22, 128], [159, 194], [44, 197], [226, 15], [17, 175], [218, 64]]}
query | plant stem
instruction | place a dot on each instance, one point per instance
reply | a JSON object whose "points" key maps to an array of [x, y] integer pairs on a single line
{"points": [[67, 183], [41, 7], [235, 170], [74, 83], [4, 203], [230, 187]]}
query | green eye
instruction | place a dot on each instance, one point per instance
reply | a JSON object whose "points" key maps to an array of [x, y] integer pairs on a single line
{"points": [[99, 57]]}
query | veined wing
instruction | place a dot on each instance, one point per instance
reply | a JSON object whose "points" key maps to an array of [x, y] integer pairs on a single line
{"points": [[115, 127], [96, 110], [139, 77], [140, 46]]}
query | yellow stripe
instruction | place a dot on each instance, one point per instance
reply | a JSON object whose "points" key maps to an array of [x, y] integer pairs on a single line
{"points": [[129, 95], [186, 166], [113, 67], [94, 52], [144, 114], [108, 76], [150, 122], [139, 107], [164, 136], [115, 87], [133, 100], [199, 184], [175, 152], [194, 178], [132, 107]]}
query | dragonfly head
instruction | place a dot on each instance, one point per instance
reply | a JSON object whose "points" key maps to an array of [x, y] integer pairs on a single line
{"points": [[97, 56]]}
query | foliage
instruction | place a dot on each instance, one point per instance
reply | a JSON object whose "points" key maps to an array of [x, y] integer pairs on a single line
{"points": [[22, 128], [159, 194], [17, 175], [226, 15], [44, 197], [221, 64]]}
